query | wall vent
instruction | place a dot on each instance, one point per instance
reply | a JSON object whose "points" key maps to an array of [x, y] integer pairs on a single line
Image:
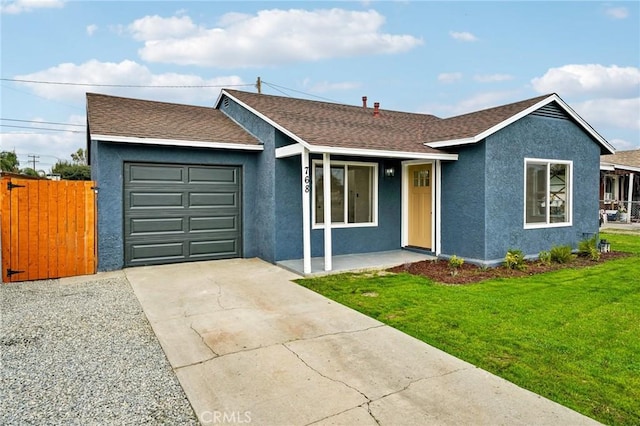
{"points": [[551, 110], [225, 103]]}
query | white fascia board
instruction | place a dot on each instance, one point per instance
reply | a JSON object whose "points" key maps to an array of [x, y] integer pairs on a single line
{"points": [[289, 150], [265, 118], [381, 153], [607, 167], [297, 149], [626, 168], [176, 142], [516, 117]]}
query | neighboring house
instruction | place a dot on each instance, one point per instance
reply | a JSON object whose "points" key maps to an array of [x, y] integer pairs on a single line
{"points": [[245, 179], [620, 185]]}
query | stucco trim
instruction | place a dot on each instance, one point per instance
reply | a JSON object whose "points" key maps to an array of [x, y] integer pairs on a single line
{"points": [[552, 98], [176, 142]]}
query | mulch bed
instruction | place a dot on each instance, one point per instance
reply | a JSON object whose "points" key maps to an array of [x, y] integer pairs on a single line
{"points": [[439, 271]]}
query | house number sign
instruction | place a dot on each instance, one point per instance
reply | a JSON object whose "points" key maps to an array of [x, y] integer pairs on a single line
{"points": [[306, 180]]}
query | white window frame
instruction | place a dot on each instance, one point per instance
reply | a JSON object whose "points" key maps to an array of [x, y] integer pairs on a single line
{"points": [[569, 201], [374, 196]]}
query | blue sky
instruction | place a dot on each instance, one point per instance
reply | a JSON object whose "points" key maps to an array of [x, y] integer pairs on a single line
{"points": [[442, 58]]}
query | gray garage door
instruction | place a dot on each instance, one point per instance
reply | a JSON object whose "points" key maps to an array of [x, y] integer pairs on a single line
{"points": [[180, 213]]}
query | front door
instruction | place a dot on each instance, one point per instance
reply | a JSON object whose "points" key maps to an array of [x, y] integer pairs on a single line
{"points": [[420, 208]]}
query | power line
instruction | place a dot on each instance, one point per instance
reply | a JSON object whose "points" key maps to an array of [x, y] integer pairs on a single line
{"points": [[41, 128], [66, 83], [42, 122], [275, 87]]}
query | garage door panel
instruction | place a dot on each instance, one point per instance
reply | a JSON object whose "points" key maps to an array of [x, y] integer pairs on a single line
{"points": [[212, 200], [176, 219], [158, 252], [213, 224], [215, 175], [147, 200], [217, 248], [155, 173], [141, 226]]}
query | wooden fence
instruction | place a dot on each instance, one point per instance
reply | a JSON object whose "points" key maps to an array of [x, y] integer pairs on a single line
{"points": [[47, 228]]}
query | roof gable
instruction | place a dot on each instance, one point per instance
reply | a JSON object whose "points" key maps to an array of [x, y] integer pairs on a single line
{"points": [[326, 124], [476, 126]]}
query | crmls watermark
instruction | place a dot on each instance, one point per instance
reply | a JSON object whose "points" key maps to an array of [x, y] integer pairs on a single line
{"points": [[225, 417]]}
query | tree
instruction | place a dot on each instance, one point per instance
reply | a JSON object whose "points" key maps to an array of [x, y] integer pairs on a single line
{"points": [[9, 161], [75, 170], [28, 171], [69, 171], [80, 157]]}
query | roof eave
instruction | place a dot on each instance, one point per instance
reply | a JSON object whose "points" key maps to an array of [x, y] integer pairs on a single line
{"points": [[178, 142], [296, 149]]}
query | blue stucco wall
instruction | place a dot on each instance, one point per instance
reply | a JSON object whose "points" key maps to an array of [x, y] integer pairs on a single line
{"points": [[263, 203], [463, 204], [107, 169], [503, 193]]}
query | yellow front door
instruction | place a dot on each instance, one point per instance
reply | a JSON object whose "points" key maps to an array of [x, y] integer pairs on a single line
{"points": [[420, 209]]}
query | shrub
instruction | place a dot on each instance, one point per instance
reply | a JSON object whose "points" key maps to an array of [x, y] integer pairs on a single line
{"points": [[515, 260], [561, 254], [545, 257], [455, 262], [589, 248]]}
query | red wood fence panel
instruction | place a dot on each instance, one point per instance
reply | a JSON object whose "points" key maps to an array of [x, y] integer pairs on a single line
{"points": [[47, 229]]}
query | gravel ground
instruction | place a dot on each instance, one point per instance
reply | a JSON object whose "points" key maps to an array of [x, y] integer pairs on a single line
{"points": [[83, 353]]}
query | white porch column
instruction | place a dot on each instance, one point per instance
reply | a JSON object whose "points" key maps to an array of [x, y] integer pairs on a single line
{"points": [[326, 191], [306, 212], [630, 198]]}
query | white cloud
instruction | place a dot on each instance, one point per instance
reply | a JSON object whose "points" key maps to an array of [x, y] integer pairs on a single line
{"points": [[326, 86], [463, 36], [91, 29], [619, 113], [158, 28], [268, 38], [492, 78], [590, 80], [617, 12], [623, 144], [48, 146], [124, 73], [449, 77], [474, 103], [23, 6]]}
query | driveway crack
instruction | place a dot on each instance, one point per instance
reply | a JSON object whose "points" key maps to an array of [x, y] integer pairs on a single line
{"points": [[368, 400], [203, 342]]}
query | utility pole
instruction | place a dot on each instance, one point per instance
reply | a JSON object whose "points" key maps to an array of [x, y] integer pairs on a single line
{"points": [[259, 85], [34, 159]]}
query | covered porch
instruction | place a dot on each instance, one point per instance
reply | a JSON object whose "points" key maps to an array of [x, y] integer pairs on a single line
{"points": [[356, 262]]}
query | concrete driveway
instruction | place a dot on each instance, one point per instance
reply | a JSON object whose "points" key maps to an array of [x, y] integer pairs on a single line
{"points": [[250, 346]]}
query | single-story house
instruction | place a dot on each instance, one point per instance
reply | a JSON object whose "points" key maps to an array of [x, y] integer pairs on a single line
{"points": [[620, 185], [245, 178]]}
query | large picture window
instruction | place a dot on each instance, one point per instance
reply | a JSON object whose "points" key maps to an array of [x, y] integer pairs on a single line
{"points": [[548, 186], [353, 194]]}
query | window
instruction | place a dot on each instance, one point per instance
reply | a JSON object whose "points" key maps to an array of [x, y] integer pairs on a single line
{"points": [[353, 194], [547, 193]]}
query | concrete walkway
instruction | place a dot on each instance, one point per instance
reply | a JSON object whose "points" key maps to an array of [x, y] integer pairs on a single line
{"points": [[250, 346]]}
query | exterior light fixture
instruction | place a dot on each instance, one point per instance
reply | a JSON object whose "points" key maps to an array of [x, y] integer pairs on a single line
{"points": [[389, 172], [605, 246]]}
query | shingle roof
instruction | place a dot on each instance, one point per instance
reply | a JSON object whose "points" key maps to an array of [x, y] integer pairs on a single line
{"points": [[117, 116], [623, 158], [472, 124], [344, 126]]}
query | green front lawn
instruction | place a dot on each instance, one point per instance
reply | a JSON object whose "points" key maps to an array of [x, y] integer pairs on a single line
{"points": [[571, 335]]}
